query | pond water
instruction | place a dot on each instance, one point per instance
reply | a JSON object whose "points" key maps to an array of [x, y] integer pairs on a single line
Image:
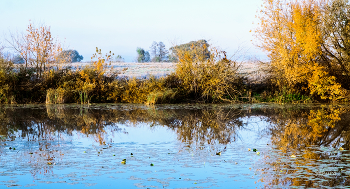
{"points": [[174, 146]]}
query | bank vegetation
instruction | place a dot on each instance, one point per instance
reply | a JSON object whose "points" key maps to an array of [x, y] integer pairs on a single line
{"points": [[307, 42]]}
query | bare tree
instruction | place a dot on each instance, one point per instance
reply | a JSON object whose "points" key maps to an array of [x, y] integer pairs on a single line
{"points": [[163, 52], [154, 49], [17, 41], [159, 52]]}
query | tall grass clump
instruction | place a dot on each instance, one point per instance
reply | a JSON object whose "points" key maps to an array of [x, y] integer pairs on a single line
{"points": [[55, 96]]}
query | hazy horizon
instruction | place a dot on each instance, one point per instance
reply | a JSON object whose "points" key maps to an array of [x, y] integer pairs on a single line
{"points": [[122, 26]]}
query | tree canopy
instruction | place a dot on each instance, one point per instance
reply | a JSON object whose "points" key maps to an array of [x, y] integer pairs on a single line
{"points": [[71, 56], [142, 55], [194, 47]]}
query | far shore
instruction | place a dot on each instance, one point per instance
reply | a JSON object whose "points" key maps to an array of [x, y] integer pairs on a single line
{"points": [[158, 69]]}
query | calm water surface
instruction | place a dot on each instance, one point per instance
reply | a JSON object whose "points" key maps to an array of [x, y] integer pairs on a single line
{"points": [[174, 146]]}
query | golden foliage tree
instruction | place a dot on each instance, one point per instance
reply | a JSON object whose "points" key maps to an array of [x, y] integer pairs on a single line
{"points": [[37, 47], [294, 34]]}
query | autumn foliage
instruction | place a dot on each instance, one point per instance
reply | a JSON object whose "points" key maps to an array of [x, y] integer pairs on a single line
{"points": [[306, 42]]}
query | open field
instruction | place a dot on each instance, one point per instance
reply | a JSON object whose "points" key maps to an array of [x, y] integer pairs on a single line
{"points": [[158, 69]]}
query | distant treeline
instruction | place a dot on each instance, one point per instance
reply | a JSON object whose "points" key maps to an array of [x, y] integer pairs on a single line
{"points": [[161, 54]]}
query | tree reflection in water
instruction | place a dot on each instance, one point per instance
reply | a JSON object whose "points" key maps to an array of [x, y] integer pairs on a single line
{"points": [[316, 136], [193, 125], [313, 134]]}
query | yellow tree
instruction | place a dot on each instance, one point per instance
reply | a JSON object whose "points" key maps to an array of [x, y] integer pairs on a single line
{"points": [[37, 47], [43, 48], [292, 34]]}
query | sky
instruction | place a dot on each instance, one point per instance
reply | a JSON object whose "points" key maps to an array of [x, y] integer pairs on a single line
{"points": [[121, 26]]}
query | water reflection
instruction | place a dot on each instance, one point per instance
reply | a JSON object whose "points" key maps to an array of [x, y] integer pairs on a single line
{"points": [[304, 146], [192, 125], [316, 137]]}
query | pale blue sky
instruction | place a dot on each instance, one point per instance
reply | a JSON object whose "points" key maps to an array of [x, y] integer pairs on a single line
{"points": [[122, 26]]}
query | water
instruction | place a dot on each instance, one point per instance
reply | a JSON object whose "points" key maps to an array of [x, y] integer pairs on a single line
{"points": [[174, 146]]}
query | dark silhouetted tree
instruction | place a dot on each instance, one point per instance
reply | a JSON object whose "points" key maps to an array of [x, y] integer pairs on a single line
{"points": [[142, 55], [71, 56]]}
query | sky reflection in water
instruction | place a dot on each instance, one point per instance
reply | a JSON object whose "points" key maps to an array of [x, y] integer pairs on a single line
{"points": [[198, 146]]}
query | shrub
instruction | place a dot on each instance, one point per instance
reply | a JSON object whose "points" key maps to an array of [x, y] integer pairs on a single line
{"points": [[213, 79]]}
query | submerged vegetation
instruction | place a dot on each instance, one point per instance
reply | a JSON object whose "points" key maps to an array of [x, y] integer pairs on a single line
{"points": [[306, 42]]}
